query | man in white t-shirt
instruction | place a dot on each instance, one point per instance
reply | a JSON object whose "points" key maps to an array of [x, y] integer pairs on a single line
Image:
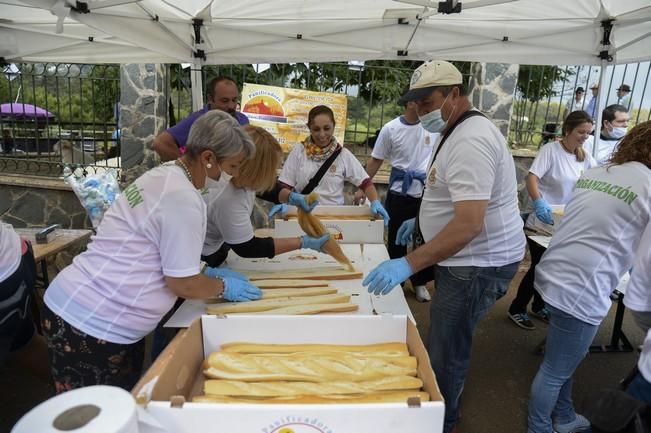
{"points": [[408, 146], [638, 290], [614, 125], [470, 223], [575, 103]]}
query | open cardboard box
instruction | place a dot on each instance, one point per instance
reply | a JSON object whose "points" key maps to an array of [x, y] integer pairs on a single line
{"points": [[347, 224], [179, 378], [558, 211]]}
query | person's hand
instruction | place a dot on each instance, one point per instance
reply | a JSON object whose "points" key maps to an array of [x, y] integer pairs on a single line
{"points": [[282, 208], [405, 232], [359, 197], [378, 209], [387, 275], [298, 200], [314, 243], [236, 290], [543, 211], [224, 273]]}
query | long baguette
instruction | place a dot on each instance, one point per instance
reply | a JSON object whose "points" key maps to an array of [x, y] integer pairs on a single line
{"points": [[290, 284], [324, 273], [378, 349], [298, 310], [269, 304], [279, 389], [222, 365], [376, 397], [313, 227], [287, 293]]}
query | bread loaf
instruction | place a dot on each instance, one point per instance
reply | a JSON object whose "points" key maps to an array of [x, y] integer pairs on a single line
{"points": [[379, 349], [306, 367], [298, 310], [313, 227], [288, 284], [269, 304], [325, 273], [375, 397], [283, 388], [288, 293]]}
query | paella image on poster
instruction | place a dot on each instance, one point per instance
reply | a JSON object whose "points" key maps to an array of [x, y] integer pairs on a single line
{"points": [[283, 111]]}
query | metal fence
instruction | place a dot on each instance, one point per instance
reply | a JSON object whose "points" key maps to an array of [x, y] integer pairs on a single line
{"points": [[59, 114], [546, 94]]}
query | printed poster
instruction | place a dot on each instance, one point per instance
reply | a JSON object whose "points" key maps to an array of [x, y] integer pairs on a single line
{"points": [[283, 111]]}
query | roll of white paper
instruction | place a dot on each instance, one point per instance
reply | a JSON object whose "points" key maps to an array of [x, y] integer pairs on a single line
{"points": [[95, 409]]}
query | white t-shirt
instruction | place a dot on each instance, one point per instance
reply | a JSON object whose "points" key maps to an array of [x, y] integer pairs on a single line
{"points": [[116, 289], [644, 363], [573, 105], [299, 169], [638, 290], [604, 151], [475, 164], [595, 243], [558, 172], [10, 251], [408, 147], [229, 217]]}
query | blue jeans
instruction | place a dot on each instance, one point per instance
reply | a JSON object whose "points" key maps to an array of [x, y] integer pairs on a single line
{"points": [[568, 342], [462, 297], [640, 389]]}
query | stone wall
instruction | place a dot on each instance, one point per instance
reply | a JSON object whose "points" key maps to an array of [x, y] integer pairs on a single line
{"points": [[143, 115], [493, 86], [38, 202]]}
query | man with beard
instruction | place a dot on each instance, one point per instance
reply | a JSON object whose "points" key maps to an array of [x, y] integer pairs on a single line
{"points": [[223, 94]]}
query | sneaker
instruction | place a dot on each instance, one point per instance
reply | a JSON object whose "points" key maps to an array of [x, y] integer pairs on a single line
{"points": [[522, 320], [542, 314], [580, 424], [422, 294]]}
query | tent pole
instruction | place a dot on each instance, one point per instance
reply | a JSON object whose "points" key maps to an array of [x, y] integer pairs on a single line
{"points": [[196, 81], [598, 109]]}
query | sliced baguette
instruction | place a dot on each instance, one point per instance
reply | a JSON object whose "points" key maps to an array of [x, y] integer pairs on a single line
{"points": [[375, 397], [269, 304]]}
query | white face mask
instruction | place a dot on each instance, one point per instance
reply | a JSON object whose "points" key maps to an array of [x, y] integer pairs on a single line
{"points": [[433, 121], [617, 132]]}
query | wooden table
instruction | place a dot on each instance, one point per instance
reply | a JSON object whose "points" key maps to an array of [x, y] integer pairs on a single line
{"points": [[63, 240]]}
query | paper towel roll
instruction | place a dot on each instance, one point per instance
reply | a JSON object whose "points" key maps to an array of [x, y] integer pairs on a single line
{"points": [[95, 409]]}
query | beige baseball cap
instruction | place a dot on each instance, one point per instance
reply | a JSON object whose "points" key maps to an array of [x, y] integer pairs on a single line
{"points": [[429, 75]]}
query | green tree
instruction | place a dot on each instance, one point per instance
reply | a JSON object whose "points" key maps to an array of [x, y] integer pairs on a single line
{"points": [[537, 82]]}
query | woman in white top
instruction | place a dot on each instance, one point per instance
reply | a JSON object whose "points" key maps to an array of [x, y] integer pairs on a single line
{"points": [[590, 251], [229, 211], [305, 160], [551, 181], [146, 253]]}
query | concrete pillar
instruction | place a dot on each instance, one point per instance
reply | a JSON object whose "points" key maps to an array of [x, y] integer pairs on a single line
{"points": [[143, 115], [493, 87]]}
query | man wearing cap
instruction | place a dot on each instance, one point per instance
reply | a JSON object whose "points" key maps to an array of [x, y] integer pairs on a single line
{"points": [[469, 221], [223, 94], [623, 95], [575, 103], [408, 146], [592, 105]]}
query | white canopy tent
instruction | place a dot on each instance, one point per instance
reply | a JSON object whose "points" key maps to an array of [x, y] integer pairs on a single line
{"points": [[261, 31]]}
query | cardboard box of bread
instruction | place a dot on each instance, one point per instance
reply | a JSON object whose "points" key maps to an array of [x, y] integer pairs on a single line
{"points": [[533, 223], [347, 224], [272, 374]]}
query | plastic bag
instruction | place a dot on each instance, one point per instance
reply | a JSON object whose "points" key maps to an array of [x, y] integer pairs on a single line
{"points": [[96, 192]]}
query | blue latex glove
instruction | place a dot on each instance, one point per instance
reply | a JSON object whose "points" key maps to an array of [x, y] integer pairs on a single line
{"points": [[298, 200], [387, 275], [314, 243], [224, 273], [282, 208], [237, 290], [378, 209], [543, 211], [406, 232]]}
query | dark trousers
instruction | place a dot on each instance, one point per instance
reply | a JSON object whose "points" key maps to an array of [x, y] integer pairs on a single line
{"points": [[401, 208], [526, 290]]}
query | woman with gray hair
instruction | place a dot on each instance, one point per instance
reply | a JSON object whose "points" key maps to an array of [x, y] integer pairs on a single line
{"points": [[145, 254]]}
